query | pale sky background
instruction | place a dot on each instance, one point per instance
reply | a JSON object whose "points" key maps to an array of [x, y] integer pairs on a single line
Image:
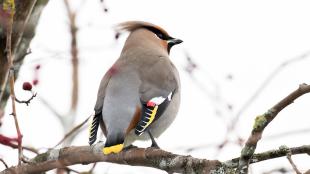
{"points": [[242, 38]]}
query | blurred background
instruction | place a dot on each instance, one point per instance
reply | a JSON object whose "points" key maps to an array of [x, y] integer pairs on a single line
{"points": [[238, 59]]}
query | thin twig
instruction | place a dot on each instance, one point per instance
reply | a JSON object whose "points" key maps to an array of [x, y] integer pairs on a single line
{"points": [[261, 123], [91, 170], [75, 129], [11, 142], [31, 149], [1, 116], [289, 158], [11, 77], [71, 170], [74, 56], [22, 57], [19, 135], [27, 102], [65, 170], [25, 159], [270, 154], [288, 133], [277, 170], [4, 84], [4, 163]]}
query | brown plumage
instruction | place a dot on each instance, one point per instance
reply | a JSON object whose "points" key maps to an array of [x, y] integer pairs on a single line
{"points": [[133, 25], [134, 121]]}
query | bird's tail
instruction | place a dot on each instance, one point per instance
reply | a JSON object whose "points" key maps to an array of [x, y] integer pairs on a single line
{"points": [[93, 128], [114, 143]]}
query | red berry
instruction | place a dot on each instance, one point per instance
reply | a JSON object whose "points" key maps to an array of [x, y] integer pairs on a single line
{"points": [[27, 86], [35, 82]]}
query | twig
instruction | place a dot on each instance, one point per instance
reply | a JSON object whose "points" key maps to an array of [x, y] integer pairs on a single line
{"points": [[31, 149], [92, 168], [261, 122], [1, 116], [288, 133], [10, 142], [26, 160], [71, 170], [278, 170], [14, 114], [74, 56], [27, 102], [271, 154], [4, 163], [4, 84], [64, 170], [72, 131], [22, 57], [11, 76], [289, 158]]}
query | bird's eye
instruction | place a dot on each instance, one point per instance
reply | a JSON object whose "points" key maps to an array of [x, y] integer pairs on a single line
{"points": [[160, 35]]}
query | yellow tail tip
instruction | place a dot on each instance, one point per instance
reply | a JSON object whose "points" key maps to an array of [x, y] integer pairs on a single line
{"points": [[113, 149]]}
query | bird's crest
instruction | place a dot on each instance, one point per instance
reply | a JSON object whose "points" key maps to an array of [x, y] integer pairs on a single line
{"points": [[133, 25]]}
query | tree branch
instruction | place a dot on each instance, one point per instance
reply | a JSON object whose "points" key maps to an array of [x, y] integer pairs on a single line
{"points": [[271, 154], [149, 157], [261, 123]]}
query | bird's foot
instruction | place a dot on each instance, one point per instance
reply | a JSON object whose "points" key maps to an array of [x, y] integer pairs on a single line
{"points": [[154, 144], [130, 147]]}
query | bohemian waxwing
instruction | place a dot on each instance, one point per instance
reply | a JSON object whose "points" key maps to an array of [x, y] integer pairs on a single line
{"points": [[139, 96]]}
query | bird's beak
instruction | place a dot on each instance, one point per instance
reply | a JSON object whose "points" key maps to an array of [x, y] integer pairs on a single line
{"points": [[174, 41], [171, 42]]}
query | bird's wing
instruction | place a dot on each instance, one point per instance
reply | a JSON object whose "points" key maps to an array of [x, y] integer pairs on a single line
{"points": [[93, 128], [97, 118], [151, 111], [101, 92], [159, 83]]}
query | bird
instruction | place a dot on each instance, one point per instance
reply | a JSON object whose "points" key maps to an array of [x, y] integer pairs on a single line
{"points": [[139, 96]]}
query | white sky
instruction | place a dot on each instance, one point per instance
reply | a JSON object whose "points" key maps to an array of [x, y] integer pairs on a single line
{"points": [[245, 39]]}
